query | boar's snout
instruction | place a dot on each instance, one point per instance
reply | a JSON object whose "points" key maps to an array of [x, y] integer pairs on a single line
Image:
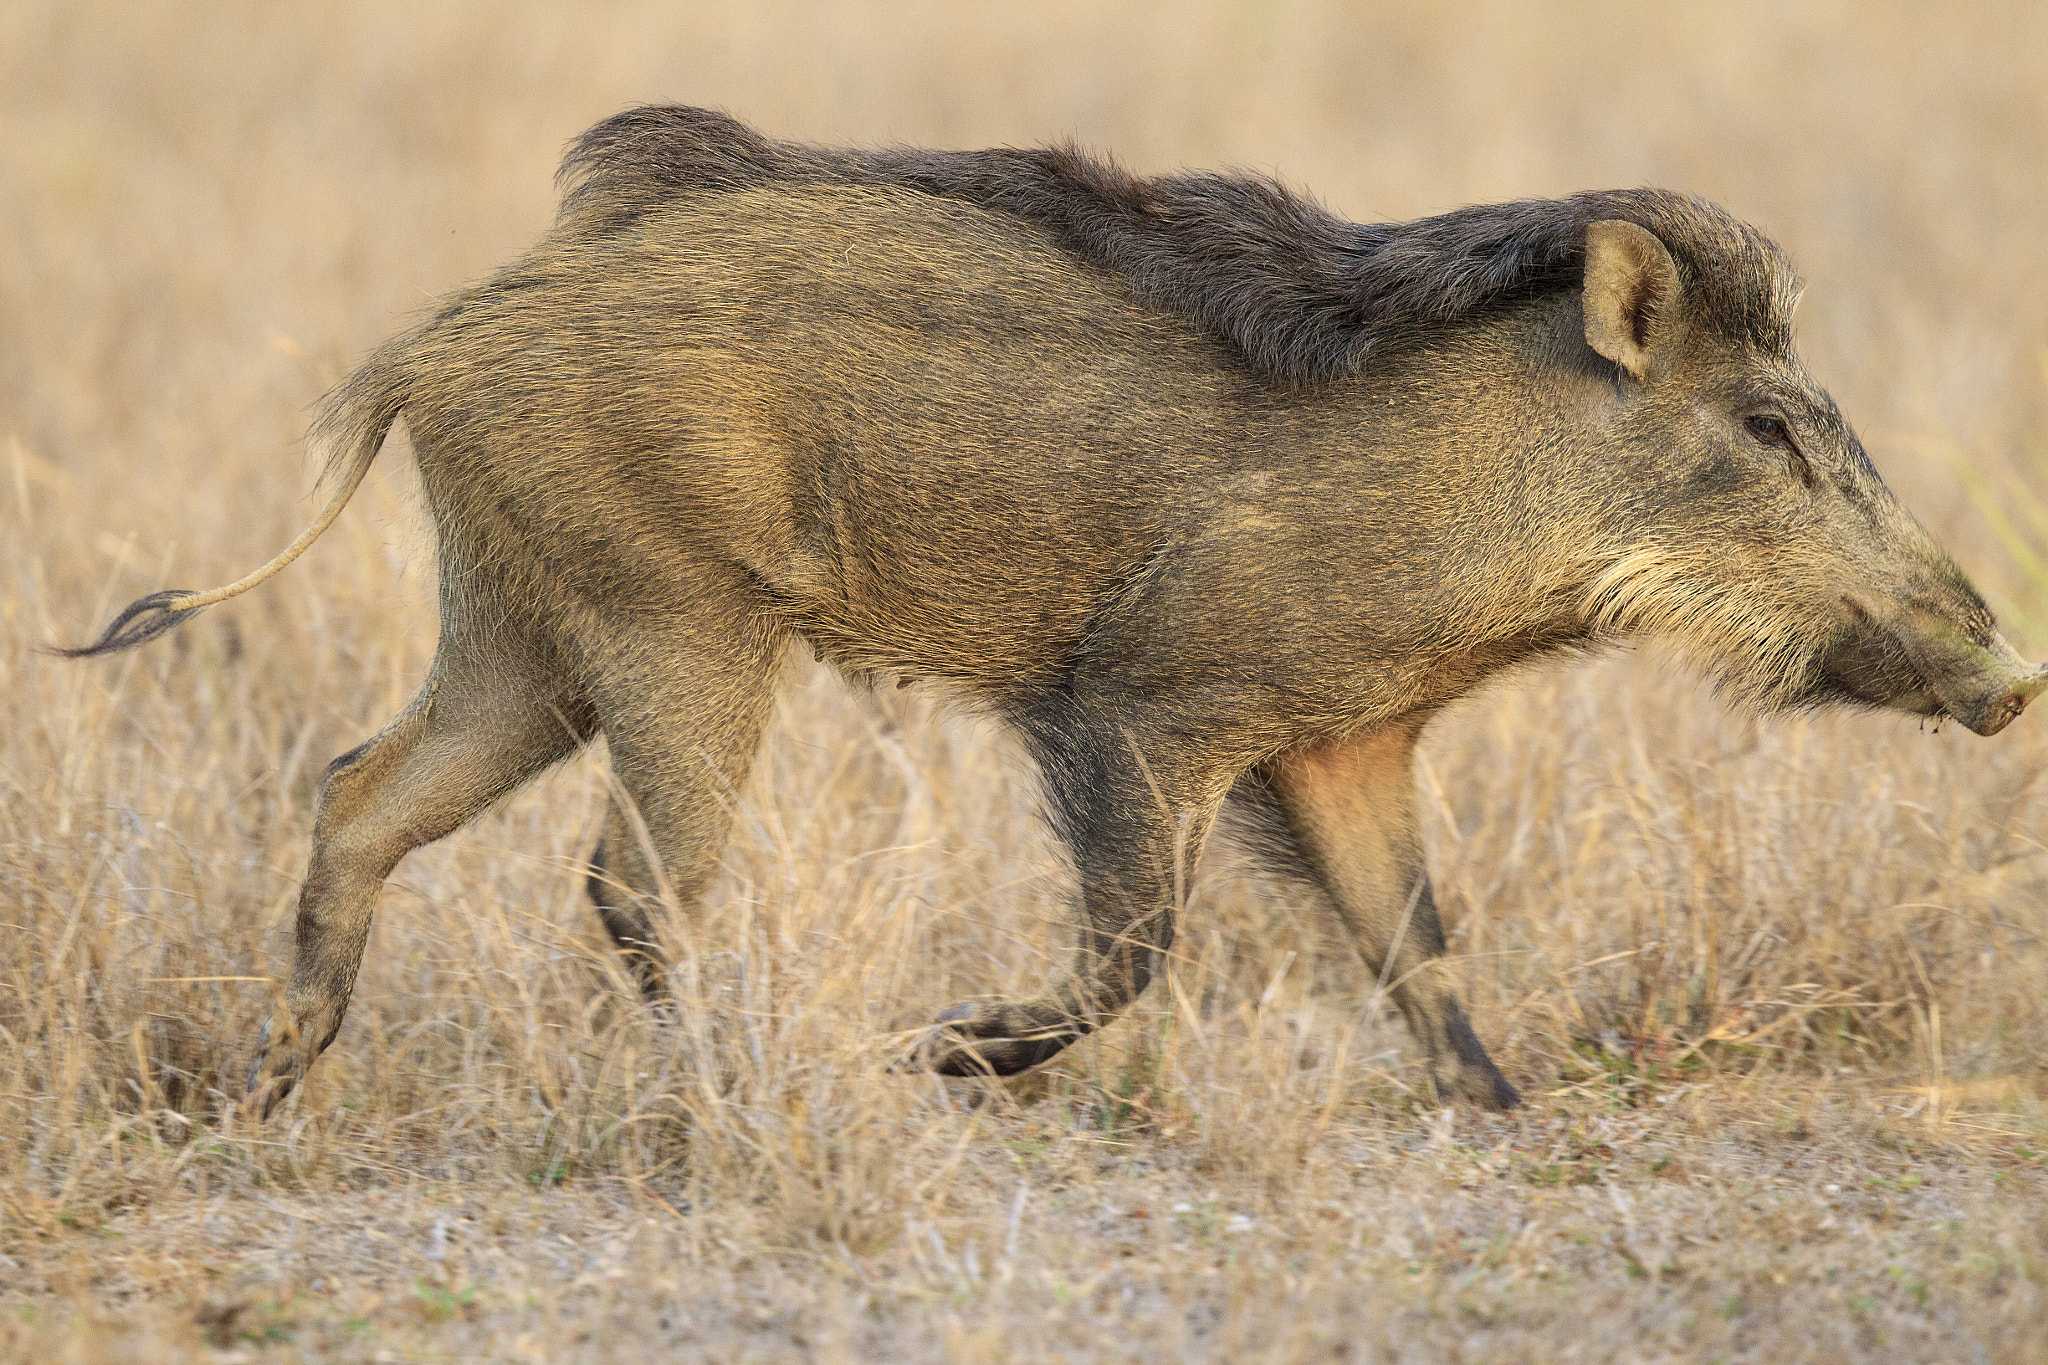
{"points": [[2008, 707], [1991, 708], [1948, 670]]}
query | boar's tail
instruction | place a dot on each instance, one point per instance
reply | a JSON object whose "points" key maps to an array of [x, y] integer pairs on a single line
{"points": [[356, 417]]}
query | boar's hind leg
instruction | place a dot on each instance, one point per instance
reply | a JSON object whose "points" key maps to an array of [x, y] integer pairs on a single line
{"points": [[1135, 829], [496, 710], [682, 704], [1348, 808]]}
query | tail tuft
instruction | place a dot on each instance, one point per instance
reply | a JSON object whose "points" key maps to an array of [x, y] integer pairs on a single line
{"points": [[142, 621], [359, 414]]}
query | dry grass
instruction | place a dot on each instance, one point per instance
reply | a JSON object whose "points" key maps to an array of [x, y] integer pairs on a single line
{"points": [[1776, 989]]}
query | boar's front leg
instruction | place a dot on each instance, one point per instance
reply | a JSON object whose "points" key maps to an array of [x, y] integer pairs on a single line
{"points": [[1348, 807], [1134, 812]]}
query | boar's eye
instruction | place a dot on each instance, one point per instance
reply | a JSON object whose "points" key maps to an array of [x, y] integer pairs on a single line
{"points": [[1772, 431]]}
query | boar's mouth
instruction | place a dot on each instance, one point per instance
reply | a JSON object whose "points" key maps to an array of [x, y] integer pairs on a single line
{"points": [[1867, 667], [1920, 662]]}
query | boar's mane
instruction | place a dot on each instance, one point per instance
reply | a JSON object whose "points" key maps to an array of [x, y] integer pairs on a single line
{"points": [[1304, 295]]}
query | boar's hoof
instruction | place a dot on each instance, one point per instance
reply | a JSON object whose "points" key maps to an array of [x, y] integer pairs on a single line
{"points": [[273, 1073], [1478, 1084], [1496, 1093], [987, 1040], [1459, 1069]]}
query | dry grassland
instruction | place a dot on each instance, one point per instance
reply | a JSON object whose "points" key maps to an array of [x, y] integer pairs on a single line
{"points": [[1777, 989]]}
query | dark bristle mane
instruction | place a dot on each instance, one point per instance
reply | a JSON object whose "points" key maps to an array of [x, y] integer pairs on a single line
{"points": [[1304, 295]]}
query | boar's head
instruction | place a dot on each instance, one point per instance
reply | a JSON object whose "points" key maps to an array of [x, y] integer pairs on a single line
{"points": [[1752, 528]]}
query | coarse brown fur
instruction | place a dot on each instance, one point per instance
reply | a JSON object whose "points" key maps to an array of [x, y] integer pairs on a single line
{"points": [[1201, 488]]}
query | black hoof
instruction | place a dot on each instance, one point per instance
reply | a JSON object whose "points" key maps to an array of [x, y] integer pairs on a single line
{"points": [[953, 1047]]}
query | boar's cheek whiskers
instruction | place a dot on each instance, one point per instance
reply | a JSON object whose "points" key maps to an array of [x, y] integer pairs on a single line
{"points": [[1762, 652]]}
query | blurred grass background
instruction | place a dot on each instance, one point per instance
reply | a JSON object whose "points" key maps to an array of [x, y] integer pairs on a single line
{"points": [[208, 211]]}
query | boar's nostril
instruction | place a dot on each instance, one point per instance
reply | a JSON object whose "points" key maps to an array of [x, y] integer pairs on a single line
{"points": [[2003, 711], [2034, 686]]}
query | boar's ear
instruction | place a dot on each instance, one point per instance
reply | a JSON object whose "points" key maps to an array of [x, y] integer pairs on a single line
{"points": [[1631, 301]]}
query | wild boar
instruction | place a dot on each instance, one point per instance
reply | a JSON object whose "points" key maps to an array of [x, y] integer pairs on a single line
{"points": [[1212, 495]]}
